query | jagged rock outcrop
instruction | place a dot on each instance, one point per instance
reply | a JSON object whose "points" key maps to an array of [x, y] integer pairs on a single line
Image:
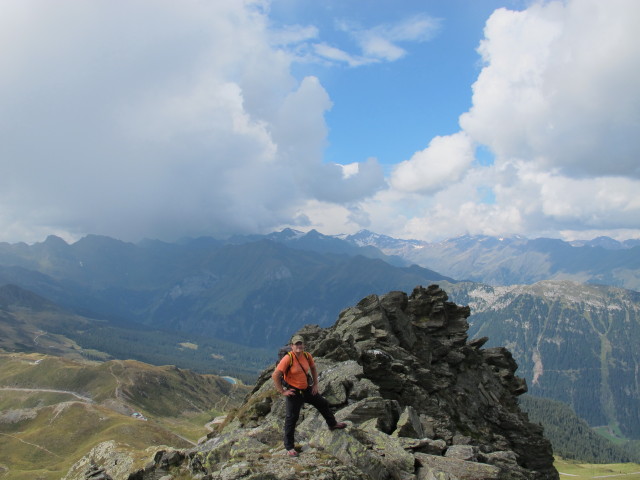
{"points": [[422, 402]]}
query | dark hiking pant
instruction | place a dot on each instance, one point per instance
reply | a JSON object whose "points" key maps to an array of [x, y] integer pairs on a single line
{"points": [[293, 405]]}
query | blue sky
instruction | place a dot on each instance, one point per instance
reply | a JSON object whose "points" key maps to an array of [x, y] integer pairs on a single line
{"points": [[417, 119], [425, 90]]}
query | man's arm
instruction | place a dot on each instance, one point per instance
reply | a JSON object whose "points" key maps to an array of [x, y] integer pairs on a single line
{"points": [[277, 377]]}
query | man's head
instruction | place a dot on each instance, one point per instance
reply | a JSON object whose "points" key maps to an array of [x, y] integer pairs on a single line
{"points": [[297, 339]]}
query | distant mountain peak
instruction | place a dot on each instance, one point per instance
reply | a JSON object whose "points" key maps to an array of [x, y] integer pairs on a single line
{"points": [[607, 243], [515, 259], [54, 240], [369, 238], [286, 234]]}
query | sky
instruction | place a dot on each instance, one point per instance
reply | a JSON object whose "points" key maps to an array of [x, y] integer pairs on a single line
{"points": [[420, 119]]}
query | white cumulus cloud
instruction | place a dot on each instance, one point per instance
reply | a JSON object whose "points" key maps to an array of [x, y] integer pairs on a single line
{"points": [[560, 87], [557, 102], [443, 162]]}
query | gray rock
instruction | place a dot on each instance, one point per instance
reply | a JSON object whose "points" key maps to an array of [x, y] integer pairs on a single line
{"points": [[337, 380], [425, 445], [462, 452], [500, 458], [459, 469], [409, 424], [367, 409]]}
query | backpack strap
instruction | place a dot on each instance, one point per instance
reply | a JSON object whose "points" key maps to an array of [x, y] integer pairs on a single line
{"points": [[291, 358]]}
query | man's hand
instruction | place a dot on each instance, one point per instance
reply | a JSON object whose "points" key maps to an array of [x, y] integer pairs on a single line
{"points": [[288, 393], [314, 389]]}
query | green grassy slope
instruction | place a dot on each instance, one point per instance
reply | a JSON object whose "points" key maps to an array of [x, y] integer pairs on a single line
{"points": [[44, 442], [54, 410]]}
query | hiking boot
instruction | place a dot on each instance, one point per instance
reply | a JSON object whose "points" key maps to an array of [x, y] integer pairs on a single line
{"points": [[292, 453], [338, 426]]}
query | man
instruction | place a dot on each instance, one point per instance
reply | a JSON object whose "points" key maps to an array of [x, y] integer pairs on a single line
{"points": [[293, 368]]}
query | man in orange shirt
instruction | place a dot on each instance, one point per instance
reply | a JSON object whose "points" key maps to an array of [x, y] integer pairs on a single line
{"points": [[293, 368]]}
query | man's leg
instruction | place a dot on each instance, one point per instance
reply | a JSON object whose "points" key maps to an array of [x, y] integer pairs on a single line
{"points": [[293, 405], [322, 405]]}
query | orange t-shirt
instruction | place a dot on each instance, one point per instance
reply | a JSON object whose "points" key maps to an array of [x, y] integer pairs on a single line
{"points": [[296, 374]]}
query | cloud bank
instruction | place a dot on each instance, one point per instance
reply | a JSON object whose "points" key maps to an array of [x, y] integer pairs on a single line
{"points": [[158, 119], [161, 119]]}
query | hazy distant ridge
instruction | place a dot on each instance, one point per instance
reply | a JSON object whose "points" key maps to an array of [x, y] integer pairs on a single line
{"points": [[249, 290], [517, 260]]}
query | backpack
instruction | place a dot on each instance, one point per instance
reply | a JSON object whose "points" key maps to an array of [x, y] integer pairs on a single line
{"points": [[282, 352]]}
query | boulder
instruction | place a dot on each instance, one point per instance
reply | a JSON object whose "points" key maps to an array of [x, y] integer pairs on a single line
{"points": [[409, 424], [457, 469]]}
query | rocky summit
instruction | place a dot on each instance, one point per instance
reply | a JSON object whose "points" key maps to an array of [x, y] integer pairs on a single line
{"points": [[421, 400]]}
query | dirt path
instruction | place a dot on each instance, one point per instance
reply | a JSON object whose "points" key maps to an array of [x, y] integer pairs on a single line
{"points": [[118, 383], [223, 402], [86, 400], [31, 444], [49, 390]]}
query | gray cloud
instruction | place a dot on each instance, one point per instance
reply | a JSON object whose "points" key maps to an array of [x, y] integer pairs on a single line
{"points": [[156, 119]]}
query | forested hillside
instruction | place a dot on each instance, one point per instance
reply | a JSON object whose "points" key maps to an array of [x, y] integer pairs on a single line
{"points": [[573, 343], [30, 323], [571, 437]]}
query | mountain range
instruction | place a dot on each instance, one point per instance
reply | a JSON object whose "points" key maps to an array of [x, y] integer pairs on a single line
{"points": [[493, 260], [518, 260], [193, 300], [253, 293]]}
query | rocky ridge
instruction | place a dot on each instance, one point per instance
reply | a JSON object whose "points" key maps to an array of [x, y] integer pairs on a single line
{"points": [[421, 400]]}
